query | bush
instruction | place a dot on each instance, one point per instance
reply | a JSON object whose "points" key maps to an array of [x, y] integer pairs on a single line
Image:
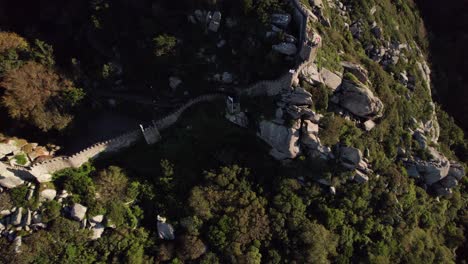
{"points": [[21, 159], [18, 196], [164, 44]]}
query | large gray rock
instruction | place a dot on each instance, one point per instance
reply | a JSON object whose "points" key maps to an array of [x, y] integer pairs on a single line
{"points": [[78, 212], [311, 74], [48, 194], [309, 134], [359, 100], [165, 231], [298, 96], [17, 216], [281, 20], [357, 70], [316, 3], [430, 171], [351, 158], [97, 219], [360, 177], [456, 171], [330, 79], [8, 179], [285, 48], [7, 149], [26, 221], [449, 182], [98, 229], [283, 140], [369, 125]]}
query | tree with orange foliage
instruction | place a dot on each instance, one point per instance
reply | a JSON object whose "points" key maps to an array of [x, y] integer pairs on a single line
{"points": [[10, 40], [40, 96]]}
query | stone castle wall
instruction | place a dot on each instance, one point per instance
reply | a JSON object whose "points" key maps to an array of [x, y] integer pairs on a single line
{"points": [[306, 55], [42, 171]]}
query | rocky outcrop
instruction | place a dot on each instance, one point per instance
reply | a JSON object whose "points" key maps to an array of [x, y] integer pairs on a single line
{"points": [[8, 179], [360, 177], [358, 99], [437, 172], [298, 96], [48, 194], [97, 231], [330, 79], [352, 158], [283, 140]]}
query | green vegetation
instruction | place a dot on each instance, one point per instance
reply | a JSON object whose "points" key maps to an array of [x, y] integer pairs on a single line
{"points": [[21, 159], [164, 44], [227, 199]]}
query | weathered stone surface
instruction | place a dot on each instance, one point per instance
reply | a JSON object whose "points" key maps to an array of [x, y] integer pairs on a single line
{"points": [[350, 157], [456, 170], [17, 216], [165, 231], [174, 82], [298, 96], [369, 125], [441, 190], [282, 139], [285, 48], [357, 70], [26, 221], [316, 3], [17, 242], [281, 20], [311, 74], [431, 171], [359, 100], [98, 229], [449, 182], [360, 177], [7, 149], [8, 179], [215, 22], [97, 219], [48, 194], [330, 79], [37, 152], [78, 212], [412, 171], [239, 119]]}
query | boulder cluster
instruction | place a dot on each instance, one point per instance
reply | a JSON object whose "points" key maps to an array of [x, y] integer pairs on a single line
{"points": [[295, 127], [17, 220], [19, 153], [353, 95]]}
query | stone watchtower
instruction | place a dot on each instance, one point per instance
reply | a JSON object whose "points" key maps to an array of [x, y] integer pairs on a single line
{"points": [[151, 134], [232, 105]]}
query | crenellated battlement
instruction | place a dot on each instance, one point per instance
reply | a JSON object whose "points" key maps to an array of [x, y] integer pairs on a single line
{"points": [[306, 54]]}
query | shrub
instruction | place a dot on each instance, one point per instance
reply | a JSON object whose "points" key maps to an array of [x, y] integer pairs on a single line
{"points": [[164, 44], [21, 159]]}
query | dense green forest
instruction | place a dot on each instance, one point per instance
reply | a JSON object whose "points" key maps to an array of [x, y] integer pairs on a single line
{"points": [[213, 184]]}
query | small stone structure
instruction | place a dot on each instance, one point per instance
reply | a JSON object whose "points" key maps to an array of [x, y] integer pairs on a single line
{"points": [[151, 134], [43, 171]]}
